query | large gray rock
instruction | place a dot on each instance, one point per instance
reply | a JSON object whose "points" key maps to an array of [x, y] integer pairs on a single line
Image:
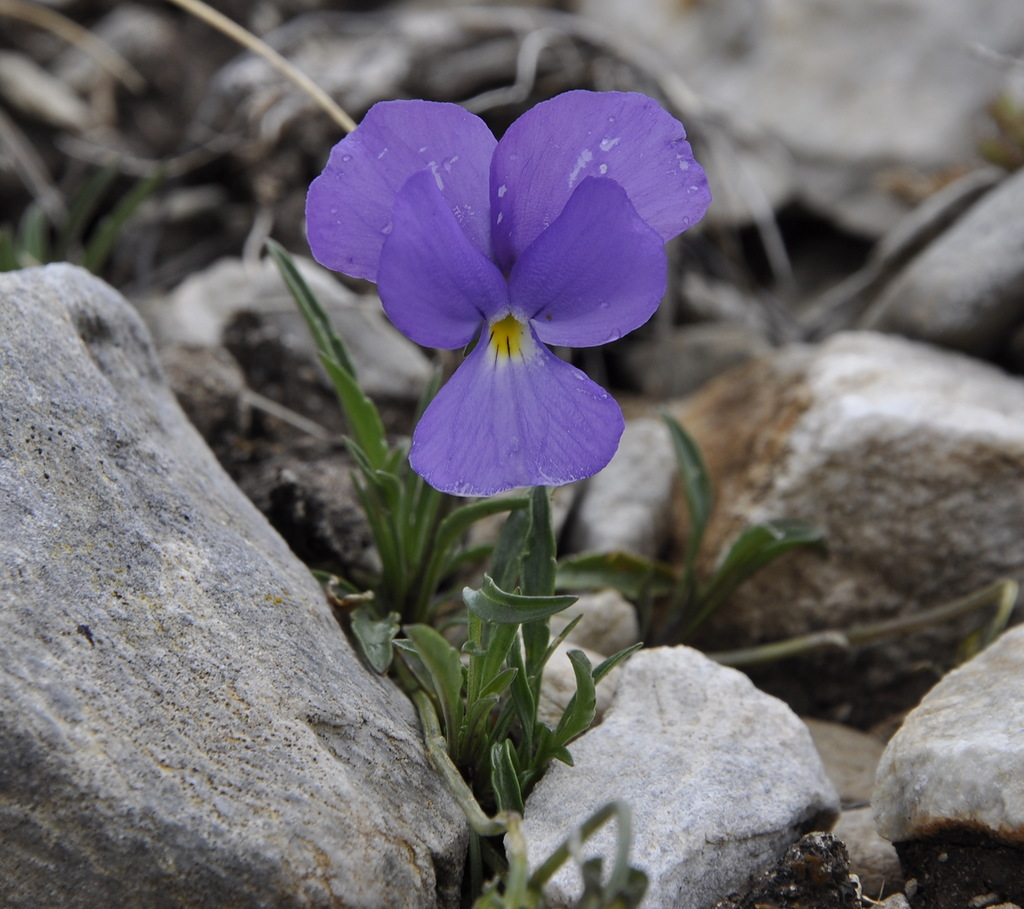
{"points": [[907, 457], [966, 290], [182, 722], [720, 777], [867, 97]]}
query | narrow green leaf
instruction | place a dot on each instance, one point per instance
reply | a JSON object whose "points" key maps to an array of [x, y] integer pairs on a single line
{"points": [[361, 413], [696, 484], [759, 546], [579, 712], [101, 242], [495, 605], [539, 564], [605, 666], [34, 236], [8, 253], [508, 551], [442, 662], [633, 575], [328, 341], [82, 209], [375, 635], [505, 778], [751, 551]]}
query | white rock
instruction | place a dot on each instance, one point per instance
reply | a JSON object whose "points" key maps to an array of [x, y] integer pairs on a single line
{"points": [[183, 721], [628, 505], [720, 777], [958, 760]]}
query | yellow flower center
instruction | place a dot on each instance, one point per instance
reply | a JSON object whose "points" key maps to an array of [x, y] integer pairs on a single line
{"points": [[507, 338]]}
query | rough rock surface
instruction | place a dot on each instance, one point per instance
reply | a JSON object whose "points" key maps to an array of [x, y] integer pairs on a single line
{"points": [[182, 722], [966, 290], [720, 777], [908, 458], [958, 760]]}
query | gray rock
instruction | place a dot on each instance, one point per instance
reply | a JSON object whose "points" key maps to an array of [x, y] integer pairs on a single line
{"points": [[907, 457], [850, 758], [678, 362], [720, 779], [628, 505], [966, 290], [958, 760], [182, 722], [863, 95], [843, 305]]}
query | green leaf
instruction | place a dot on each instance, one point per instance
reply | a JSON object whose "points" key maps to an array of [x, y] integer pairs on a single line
{"points": [[508, 551], [83, 207], [633, 575], [605, 666], [34, 236], [361, 413], [579, 712], [761, 545], [445, 669], [539, 564], [696, 484], [8, 253], [751, 551], [375, 635], [327, 340], [505, 778], [101, 242], [495, 605]]}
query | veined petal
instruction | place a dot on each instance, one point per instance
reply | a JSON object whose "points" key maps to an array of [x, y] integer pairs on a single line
{"points": [[514, 416], [628, 137], [595, 274], [436, 287], [348, 208]]}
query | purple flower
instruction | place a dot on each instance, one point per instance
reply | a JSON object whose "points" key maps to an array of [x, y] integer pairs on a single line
{"points": [[554, 235]]}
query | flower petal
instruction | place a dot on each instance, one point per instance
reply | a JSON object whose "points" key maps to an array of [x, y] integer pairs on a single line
{"points": [[628, 137], [436, 287], [595, 274], [499, 423], [348, 208]]}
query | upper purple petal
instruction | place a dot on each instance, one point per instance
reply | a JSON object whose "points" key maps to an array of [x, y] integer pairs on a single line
{"points": [[595, 274], [551, 148], [502, 423], [348, 208], [436, 287]]}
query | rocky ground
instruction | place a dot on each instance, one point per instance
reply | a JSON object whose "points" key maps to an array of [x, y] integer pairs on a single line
{"points": [[843, 335]]}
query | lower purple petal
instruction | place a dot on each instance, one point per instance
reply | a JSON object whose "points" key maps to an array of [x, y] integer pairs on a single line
{"points": [[501, 423]]}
